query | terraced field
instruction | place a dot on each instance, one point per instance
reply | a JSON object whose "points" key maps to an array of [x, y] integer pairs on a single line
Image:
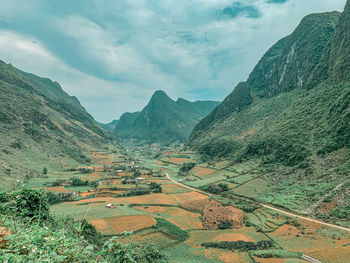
{"points": [[180, 219]]}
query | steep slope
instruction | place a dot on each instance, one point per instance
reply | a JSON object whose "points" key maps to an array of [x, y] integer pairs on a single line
{"points": [[162, 120], [41, 125], [110, 126], [280, 79], [294, 119], [284, 67]]}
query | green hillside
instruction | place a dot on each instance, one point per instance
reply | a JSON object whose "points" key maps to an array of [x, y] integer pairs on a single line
{"points": [[163, 120], [292, 116], [42, 126], [111, 125]]}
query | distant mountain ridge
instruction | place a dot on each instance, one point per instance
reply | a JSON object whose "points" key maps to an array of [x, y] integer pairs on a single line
{"points": [[111, 125], [163, 120], [41, 125]]}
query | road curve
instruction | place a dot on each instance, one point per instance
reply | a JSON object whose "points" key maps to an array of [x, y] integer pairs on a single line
{"points": [[268, 207]]}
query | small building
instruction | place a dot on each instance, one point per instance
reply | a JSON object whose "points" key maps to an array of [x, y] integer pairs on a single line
{"points": [[66, 183], [110, 206], [139, 179]]}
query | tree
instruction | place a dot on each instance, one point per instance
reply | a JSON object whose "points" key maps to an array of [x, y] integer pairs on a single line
{"points": [[45, 170]]}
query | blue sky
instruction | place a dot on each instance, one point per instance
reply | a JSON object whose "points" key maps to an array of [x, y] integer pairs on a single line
{"points": [[113, 55]]}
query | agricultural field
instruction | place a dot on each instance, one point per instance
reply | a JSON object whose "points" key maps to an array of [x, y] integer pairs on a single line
{"points": [[181, 218]]}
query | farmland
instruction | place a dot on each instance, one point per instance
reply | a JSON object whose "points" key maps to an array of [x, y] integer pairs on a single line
{"points": [[178, 220]]}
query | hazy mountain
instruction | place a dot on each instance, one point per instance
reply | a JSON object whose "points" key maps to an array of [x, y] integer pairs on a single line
{"points": [[163, 120], [110, 126], [41, 125]]}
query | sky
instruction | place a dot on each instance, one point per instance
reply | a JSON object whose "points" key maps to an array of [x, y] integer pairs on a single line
{"points": [[113, 54]]}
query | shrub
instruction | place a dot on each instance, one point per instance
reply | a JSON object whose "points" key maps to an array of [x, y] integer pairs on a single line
{"points": [[239, 245], [225, 225], [156, 188]]}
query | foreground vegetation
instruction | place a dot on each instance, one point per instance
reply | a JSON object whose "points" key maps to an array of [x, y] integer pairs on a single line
{"points": [[37, 236]]}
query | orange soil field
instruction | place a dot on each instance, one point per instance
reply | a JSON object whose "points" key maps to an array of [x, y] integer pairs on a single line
{"points": [[177, 160], [101, 225], [130, 223], [185, 197], [85, 194], [173, 188], [200, 171], [56, 189], [161, 199], [152, 209], [184, 219], [312, 243], [225, 256]]}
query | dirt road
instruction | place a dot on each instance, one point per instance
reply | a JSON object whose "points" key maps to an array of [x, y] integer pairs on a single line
{"points": [[268, 207]]}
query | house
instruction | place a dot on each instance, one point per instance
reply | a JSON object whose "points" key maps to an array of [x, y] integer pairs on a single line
{"points": [[139, 179], [110, 206], [66, 183], [119, 171]]}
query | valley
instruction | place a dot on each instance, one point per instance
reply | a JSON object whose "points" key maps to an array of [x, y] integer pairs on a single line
{"points": [[185, 214]]}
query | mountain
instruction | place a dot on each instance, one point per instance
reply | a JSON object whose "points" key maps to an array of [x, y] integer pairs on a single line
{"points": [[41, 125], [110, 126], [291, 117], [163, 120], [262, 112]]}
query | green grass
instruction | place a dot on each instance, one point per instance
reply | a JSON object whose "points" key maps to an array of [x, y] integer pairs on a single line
{"points": [[96, 211], [171, 229], [275, 254]]}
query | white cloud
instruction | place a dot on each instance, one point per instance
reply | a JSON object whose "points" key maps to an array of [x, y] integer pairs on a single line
{"points": [[122, 51]]}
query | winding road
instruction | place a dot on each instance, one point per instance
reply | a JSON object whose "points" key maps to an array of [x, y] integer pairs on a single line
{"points": [[268, 207]]}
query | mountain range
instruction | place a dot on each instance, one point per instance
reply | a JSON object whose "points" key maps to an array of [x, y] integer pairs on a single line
{"points": [[42, 126], [163, 120]]}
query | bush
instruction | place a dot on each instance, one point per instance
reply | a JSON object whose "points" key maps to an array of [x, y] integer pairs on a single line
{"points": [[138, 191], [60, 239], [26, 203], [156, 188], [186, 167], [171, 229], [239, 245], [225, 225], [53, 198]]}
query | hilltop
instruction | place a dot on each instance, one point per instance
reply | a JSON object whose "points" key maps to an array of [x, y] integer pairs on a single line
{"points": [[163, 120], [42, 126]]}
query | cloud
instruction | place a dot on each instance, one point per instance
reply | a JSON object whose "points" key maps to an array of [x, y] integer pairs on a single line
{"points": [[113, 55], [238, 8]]}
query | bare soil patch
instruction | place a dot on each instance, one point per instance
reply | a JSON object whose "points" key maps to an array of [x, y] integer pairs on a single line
{"points": [[56, 189], [185, 197], [200, 171], [130, 223], [101, 225]]}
